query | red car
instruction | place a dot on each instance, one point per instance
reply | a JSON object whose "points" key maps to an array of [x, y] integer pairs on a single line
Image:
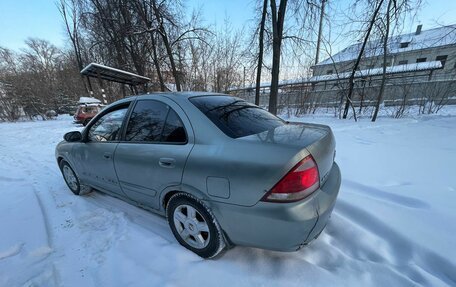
{"points": [[86, 112]]}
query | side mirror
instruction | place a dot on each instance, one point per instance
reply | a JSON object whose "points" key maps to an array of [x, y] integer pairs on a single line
{"points": [[75, 136]]}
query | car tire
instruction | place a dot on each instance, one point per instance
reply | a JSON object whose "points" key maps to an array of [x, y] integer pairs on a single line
{"points": [[72, 180], [194, 225], [86, 122]]}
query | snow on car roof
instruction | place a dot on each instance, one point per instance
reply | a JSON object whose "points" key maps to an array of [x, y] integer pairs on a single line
{"points": [[431, 38], [88, 100]]}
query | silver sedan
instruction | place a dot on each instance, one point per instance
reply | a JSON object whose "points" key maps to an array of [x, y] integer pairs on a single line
{"points": [[224, 172]]}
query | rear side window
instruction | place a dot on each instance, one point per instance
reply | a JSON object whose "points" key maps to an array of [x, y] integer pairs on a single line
{"points": [[173, 131], [154, 121], [236, 117]]}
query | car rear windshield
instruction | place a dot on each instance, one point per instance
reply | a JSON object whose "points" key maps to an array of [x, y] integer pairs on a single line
{"points": [[236, 117], [91, 109]]}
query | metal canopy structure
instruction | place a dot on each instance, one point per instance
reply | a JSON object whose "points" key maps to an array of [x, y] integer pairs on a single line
{"points": [[114, 75]]}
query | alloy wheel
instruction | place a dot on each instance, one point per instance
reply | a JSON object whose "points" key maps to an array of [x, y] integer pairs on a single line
{"points": [[191, 226], [70, 177]]}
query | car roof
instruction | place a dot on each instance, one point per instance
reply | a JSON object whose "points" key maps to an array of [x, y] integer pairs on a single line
{"points": [[179, 95]]}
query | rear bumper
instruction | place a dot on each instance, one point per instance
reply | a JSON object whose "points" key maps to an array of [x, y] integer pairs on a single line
{"points": [[81, 120], [280, 226]]}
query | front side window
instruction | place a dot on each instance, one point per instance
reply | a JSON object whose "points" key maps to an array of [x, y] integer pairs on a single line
{"points": [[236, 117], [107, 127], [154, 121]]}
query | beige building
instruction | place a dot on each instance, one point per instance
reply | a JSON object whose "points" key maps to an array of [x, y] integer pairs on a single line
{"points": [[421, 69]]}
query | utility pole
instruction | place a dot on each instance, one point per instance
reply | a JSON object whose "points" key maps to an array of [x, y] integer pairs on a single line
{"points": [[320, 27]]}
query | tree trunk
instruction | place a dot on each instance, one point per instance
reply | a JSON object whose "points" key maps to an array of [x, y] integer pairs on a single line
{"points": [[320, 28], [141, 7], [351, 81], [385, 50], [260, 53], [73, 34], [169, 52], [156, 63], [277, 32]]}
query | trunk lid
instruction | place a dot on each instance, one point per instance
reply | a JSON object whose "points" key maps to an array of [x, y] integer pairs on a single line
{"points": [[317, 139]]}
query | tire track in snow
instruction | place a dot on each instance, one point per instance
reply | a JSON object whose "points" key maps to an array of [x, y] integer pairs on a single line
{"points": [[49, 235], [384, 195], [145, 219], [33, 256], [12, 251], [37, 172], [405, 254], [348, 250]]}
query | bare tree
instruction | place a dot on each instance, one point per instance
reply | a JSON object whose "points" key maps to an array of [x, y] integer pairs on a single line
{"points": [[142, 7], [385, 57], [260, 51], [277, 21], [69, 10], [39, 78], [435, 95], [160, 18], [391, 18], [9, 102], [351, 79]]}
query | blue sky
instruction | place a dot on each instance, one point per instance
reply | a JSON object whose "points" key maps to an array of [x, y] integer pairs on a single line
{"points": [[20, 19]]}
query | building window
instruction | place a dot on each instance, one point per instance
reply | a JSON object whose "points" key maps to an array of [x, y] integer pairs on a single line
{"points": [[329, 72], [442, 59], [421, 60], [403, 62], [404, 44]]}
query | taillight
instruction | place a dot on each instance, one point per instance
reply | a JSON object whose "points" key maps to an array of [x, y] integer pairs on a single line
{"points": [[301, 181]]}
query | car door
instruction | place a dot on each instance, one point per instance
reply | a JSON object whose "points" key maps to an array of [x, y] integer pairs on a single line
{"points": [[97, 151], [154, 150]]}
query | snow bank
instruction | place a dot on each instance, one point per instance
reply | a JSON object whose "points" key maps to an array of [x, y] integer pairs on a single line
{"points": [[393, 224]]}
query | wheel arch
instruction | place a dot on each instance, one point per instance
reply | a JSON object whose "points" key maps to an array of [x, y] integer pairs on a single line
{"points": [[167, 193], [59, 160]]}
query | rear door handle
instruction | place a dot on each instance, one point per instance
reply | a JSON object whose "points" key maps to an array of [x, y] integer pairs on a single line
{"points": [[107, 155], [166, 162]]}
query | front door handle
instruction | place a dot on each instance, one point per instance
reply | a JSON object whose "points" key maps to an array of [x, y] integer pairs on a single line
{"points": [[166, 162], [107, 155]]}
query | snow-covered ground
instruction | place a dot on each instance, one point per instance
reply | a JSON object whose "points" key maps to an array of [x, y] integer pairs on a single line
{"points": [[394, 223]]}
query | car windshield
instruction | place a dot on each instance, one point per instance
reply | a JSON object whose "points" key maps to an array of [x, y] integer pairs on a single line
{"points": [[236, 117]]}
